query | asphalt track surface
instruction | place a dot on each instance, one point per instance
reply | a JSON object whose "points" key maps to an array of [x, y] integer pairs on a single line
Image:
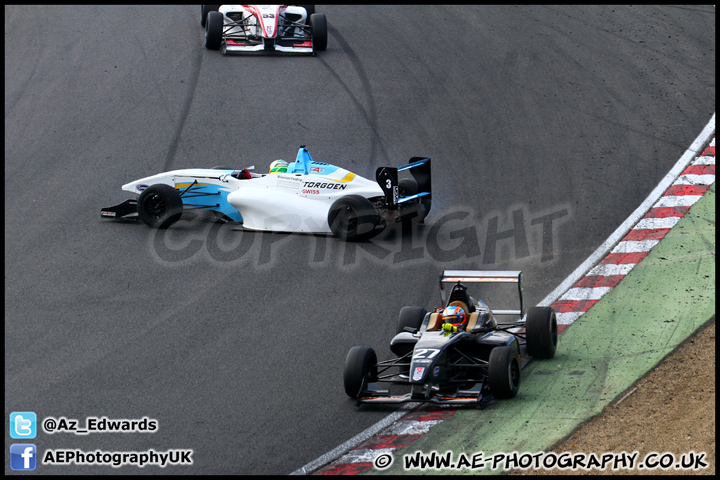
{"points": [[560, 119]]}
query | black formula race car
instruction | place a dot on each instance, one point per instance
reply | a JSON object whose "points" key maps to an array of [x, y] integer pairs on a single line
{"points": [[442, 364]]}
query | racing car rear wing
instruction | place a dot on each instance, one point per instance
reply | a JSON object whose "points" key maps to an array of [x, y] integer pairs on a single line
{"points": [[485, 276], [387, 178]]}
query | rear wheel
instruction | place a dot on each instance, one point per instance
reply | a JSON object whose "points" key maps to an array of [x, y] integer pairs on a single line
{"points": [[410, 317], [541, 332], [407, 187], [204, 10], [319, 31], [213, 31], [159, 206], [360, 368], [504, 372], [426, 205], [353, 218]]}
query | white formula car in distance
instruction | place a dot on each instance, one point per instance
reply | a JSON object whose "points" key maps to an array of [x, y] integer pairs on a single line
{"points": [[310, 197], [264, 28]]}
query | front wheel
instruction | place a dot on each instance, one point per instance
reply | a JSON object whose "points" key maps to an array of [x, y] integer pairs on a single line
{"points": [[353, 218], [410, 317], [159, 206], [319, 31], [214, 30], [204, 10], [504, 372], [309, 10], [541, 332], [360, 368]]}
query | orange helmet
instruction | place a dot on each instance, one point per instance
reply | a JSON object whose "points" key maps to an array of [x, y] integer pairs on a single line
{"points": [[454, 315]]}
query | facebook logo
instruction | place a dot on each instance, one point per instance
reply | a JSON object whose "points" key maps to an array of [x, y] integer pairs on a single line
{"points": [[23, 425], [23, 456]]}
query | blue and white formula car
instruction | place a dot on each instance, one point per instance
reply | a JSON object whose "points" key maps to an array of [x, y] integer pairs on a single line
{"points": [[264, 28], [306, 197]]}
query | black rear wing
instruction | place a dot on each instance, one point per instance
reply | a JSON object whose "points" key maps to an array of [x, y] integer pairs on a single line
{"points": [[387, 178], [485, 276]]}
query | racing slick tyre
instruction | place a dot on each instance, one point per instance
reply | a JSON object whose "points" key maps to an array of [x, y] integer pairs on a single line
{"points": [[159, 206], [213, 31], [426, 205], [360, 368], [504, 372], [409, 186], [410, 317], [353, 218], [319, 31], [541, 332], [204, 10]]}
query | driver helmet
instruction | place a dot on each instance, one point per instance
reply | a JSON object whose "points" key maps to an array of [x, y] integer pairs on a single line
{"points": [[278, 166], [454, 315]]}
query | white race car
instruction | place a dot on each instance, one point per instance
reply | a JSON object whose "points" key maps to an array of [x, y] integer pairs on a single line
{"points": [[264, 28], [305, 197]]}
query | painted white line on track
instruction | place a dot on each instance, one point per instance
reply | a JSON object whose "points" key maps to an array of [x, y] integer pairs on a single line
{"points": [[655, 223], [356, 440], [705, 160], [414, 427], [607, 269], [567, 318], [585, 293], [693, 179], [364, 455], [678, 201], [633, 246]]}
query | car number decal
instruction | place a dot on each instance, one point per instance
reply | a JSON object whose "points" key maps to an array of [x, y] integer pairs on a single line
{"points": [[425, 353]]}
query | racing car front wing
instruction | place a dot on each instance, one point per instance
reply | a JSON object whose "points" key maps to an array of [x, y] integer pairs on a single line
{"points": [[127, 209], [479, 395], [238, 46], [469, 390]]}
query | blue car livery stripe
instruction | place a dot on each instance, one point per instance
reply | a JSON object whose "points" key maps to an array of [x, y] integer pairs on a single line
{"points": [[209, 197]]}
